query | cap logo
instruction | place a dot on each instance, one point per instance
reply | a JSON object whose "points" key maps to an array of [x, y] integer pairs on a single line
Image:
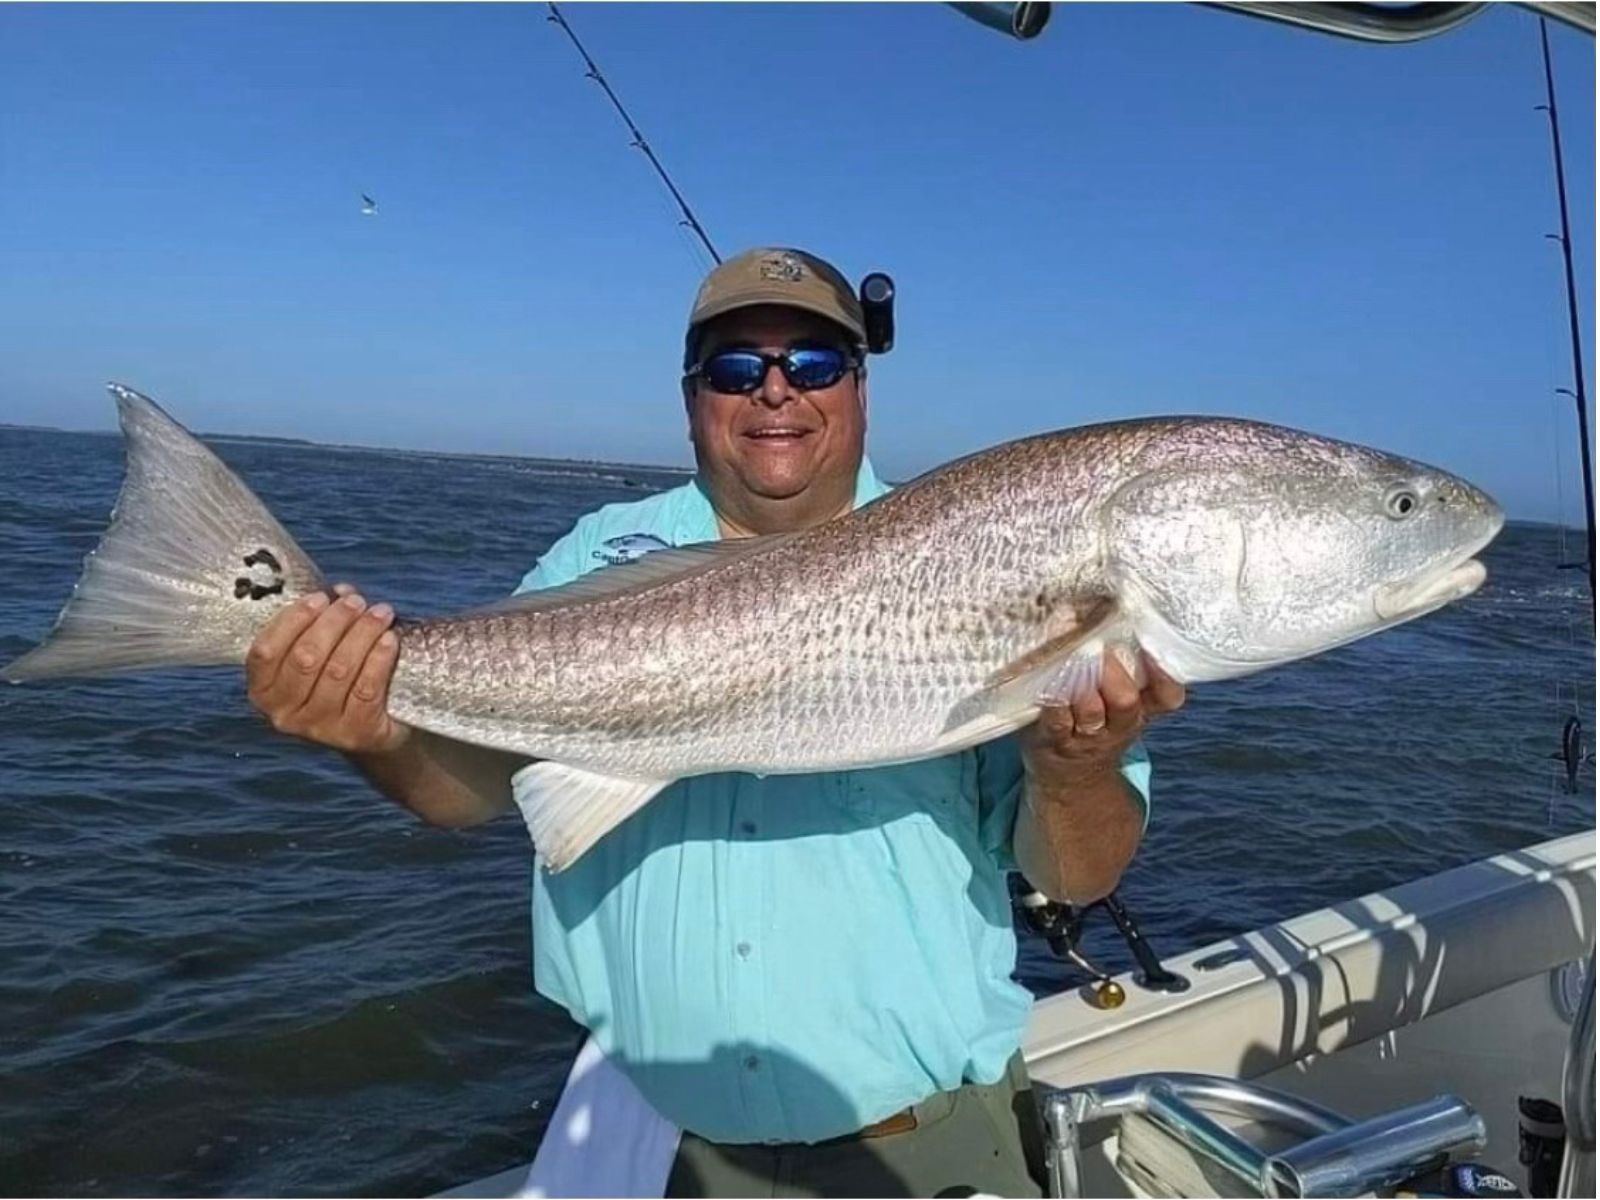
{"points": [[784, 267]]}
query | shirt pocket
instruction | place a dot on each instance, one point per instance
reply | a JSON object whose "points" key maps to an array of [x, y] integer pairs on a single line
{"points": [[939, 790]]}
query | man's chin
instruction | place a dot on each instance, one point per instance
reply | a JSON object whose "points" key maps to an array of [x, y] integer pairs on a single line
{"points": [[779, 481], [777, 489]]}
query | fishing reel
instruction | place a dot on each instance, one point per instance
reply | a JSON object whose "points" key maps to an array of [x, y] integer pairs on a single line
{"points": [[1061, 926], [1573, 753]]}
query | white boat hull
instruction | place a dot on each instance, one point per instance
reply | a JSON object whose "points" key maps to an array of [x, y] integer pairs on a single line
{"points": [[1443, 984]]}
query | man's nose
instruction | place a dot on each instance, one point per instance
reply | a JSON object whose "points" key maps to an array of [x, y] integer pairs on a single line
{"points": [[775, 390]]}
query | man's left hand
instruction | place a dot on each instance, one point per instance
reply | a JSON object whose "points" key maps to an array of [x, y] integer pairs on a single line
{"points": [[1090, 735]]}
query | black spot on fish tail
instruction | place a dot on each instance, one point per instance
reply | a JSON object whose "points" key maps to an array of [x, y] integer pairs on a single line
{"points": [[244, 588]]}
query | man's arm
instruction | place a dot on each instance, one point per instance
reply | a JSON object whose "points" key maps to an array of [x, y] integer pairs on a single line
{"points": [[1080, 821], [320, 670], [444, 782]]}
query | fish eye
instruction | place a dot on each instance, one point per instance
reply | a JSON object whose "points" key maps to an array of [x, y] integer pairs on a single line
{"points": [[1401, 502]]}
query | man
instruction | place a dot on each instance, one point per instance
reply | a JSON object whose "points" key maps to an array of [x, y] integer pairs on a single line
{"points": [[810, 974]]}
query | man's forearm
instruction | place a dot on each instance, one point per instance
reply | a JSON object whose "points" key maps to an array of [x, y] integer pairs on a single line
{"points": [[443, 781], [1075, 836]]}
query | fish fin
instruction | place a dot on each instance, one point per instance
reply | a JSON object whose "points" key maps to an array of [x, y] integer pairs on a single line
{"points": [[1068, 664], [648, 571], [1071, 679], [1058, 671], [975, 730], [569, 809], [190, 568]]}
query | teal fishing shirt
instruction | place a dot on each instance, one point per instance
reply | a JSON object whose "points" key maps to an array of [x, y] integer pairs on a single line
{"points": [[789, 958]]}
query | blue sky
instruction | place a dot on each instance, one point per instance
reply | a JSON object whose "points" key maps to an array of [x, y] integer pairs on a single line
{"points": [[1151, 208]]}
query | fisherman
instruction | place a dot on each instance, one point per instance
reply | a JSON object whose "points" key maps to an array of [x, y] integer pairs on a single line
{"points": [[810, 974]]}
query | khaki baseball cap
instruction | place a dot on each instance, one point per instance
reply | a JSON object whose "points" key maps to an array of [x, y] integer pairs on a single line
{"points": [[775, 275]]}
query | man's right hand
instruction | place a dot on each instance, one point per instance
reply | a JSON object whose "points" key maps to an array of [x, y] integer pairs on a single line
{"points": [[320, 670]]}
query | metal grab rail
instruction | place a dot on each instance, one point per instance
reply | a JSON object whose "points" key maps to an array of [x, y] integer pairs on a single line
{"points": [[1175, 1102], [1335, 1157], [1364, 22], [1379, 1154]]}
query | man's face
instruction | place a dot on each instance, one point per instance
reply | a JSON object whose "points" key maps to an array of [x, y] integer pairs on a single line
{"points": [[777, 442]]}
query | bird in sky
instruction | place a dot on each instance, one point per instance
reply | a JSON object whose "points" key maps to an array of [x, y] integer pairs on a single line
{"points": [[369, 206]]}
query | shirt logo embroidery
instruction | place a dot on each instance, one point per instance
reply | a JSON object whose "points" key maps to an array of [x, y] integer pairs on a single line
{"points": [[628, 547]]}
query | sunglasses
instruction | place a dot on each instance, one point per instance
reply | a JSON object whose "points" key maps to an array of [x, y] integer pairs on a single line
{"points": [[740, 372]]}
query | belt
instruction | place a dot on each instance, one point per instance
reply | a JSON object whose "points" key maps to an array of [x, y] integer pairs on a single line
{"points": [[906, 1120], [903, 1121]]}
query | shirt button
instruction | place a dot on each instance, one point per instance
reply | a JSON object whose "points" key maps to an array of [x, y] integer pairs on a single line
{"points": [[747, 827], [742, 949], [752, 1063]]}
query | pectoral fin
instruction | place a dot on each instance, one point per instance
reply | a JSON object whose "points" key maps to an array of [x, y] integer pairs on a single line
{"points": [[1065, 665], [1060, 670], [569, 809], [1074, 677]]}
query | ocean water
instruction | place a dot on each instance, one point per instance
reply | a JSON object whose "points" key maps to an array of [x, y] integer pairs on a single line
{"points": [[228, 967]]}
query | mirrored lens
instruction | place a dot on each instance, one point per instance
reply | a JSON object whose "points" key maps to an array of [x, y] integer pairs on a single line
{"points": [[734, 371], [814, 368]]}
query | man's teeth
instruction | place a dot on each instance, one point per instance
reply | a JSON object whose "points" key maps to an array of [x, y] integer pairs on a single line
{"points": [[766, 433]]}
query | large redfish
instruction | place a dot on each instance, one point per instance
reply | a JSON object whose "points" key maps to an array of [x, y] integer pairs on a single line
{"points": [[935, 618]]}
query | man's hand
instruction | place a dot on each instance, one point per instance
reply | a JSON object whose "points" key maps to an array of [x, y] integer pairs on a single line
{"points": [[1072, 742], [1080, 824], [320, 670]]}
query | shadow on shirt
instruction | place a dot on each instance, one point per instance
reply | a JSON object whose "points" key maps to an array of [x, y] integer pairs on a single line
{"points": [[944, 823], [961, 1147]]}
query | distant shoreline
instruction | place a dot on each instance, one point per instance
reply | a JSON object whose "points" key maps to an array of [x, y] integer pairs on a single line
{"points": [[590, 463], [307, 443]]}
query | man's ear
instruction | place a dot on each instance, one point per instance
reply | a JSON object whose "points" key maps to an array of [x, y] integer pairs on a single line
{"points": [[690, 389]]}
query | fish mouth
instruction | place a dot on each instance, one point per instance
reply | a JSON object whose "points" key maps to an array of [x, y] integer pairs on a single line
{"points": [[1415, 597]]}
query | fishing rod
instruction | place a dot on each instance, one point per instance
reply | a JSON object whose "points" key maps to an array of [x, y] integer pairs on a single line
{"points": [[592, 70], [876, 291], [1573, 753], [1578, 391]]}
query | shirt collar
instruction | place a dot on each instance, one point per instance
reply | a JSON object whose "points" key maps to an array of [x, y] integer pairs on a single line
{"points": [[697, 521]]}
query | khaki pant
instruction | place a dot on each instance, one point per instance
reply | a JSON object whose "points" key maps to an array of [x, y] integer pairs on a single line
{"points": [[978, 1138]]}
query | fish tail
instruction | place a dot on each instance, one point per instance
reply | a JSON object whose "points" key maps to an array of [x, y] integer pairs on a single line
{"points": [[191, 568]]}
